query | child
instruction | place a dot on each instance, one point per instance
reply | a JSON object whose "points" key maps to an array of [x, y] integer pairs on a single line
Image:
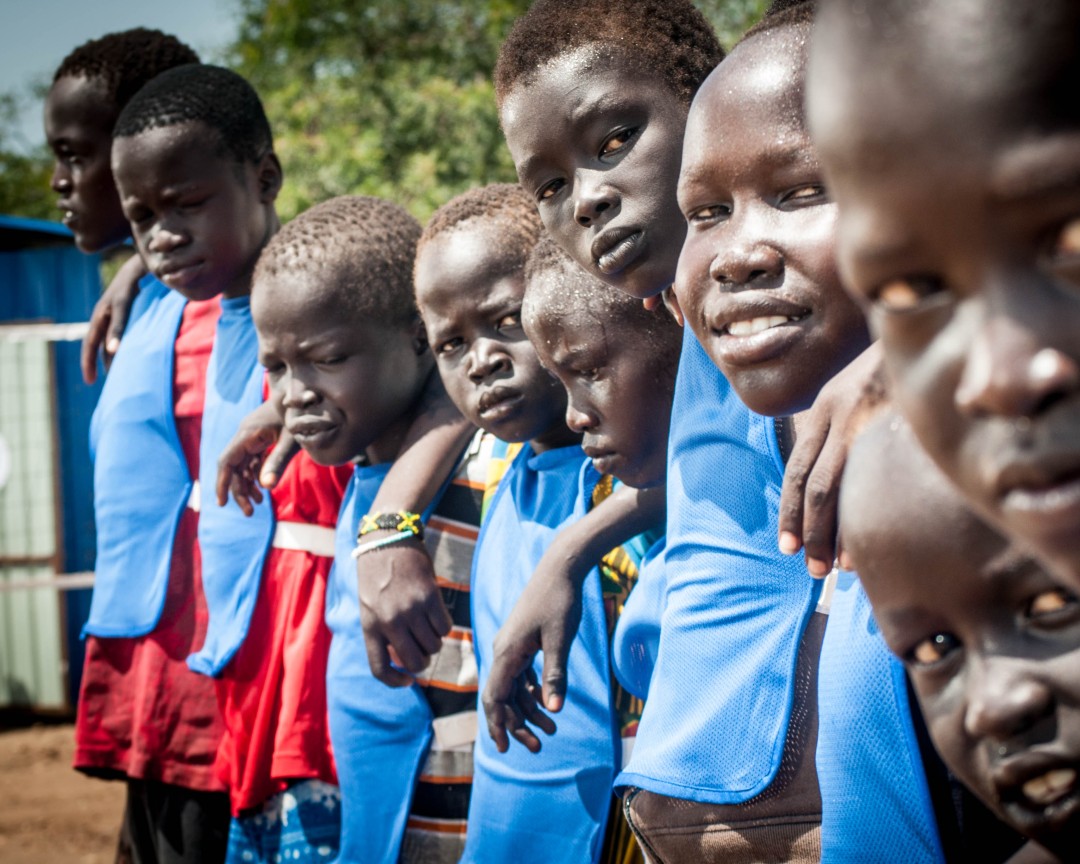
{"points": [[989, 641], [346, 356], [198, 222], [470, 286], [90, 87], [958, 231], [691, 770]]}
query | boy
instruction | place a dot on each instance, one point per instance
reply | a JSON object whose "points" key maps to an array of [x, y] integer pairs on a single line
{"points": [[470, 284], [959, 233], [348, 362], [198, 224], [989, 641]]}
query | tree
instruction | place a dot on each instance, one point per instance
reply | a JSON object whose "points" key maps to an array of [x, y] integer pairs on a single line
{"points": [[391, 97], [24, 174]]}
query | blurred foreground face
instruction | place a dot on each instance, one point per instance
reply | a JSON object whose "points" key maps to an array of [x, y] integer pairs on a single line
{"points": [[950, 135]]}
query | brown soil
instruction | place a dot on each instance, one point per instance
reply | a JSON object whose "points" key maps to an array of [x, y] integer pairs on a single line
{"points": [[52, 814]]}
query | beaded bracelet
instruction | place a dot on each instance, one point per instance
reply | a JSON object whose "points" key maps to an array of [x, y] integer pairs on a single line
{"points": [[402, 521], [372, 545]]}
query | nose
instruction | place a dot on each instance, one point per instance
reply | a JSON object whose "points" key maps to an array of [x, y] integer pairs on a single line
{"points": [[1010, 369], [744, 255], [487, 358], [295, 393], [596, 199], [61, 178], [579, 418], [1004, 700], [165, 239]]}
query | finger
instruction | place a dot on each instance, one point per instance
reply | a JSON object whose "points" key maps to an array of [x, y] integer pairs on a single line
{"points": [[424, 634], [88, 354], [118, 319], [653, 303], [438, 615], [529, 703], [793, 493], [496, 723], [556, 654], [240, 496], [821, 502], [379, 662], [277, 460], [410, 655]]}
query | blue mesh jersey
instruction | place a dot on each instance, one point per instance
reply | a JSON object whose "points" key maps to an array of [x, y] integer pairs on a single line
{"points": [[637, 634], [550, 806], [876, 805], [722, 689], [141, 479], [233, 545]]}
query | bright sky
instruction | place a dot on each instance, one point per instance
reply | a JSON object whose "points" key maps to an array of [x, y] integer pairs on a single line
{"points": [[38, 34]]}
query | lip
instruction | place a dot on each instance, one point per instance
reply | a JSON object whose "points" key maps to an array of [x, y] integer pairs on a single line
{"points": [[498, 403], [1044, 494], [604, 460], [774, 326], [616, 249], [312, 434], [177, 275], [1010, 777], [69, 216]]}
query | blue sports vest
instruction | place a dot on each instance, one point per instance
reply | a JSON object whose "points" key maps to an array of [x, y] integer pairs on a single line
{"points": [[141, 478], [552, 806], [380, 734], [875, 801], [721, 692], [637, 634], [233, 545]]}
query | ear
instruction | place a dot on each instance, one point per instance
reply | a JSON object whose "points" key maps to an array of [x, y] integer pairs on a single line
{"points": [[270, 177], [419, 337]]}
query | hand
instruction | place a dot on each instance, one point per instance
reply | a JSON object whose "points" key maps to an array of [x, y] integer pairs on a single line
{"points": [[109, 318], [669, 301], [401, 610], [546, 618], [810, 495], [246, 463]]}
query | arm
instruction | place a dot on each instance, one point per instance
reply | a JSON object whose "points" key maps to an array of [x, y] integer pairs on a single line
{"points": [[401, 609], [808, 501], [257, 455], [547, 616], [109, 318], [1032, 853]]}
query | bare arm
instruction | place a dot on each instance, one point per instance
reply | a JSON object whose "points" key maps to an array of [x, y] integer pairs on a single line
{"points": [[109, 318], [401, 609], [548, 613]]}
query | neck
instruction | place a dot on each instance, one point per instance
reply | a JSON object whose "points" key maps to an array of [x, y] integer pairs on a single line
{"points": [[560, 436], [388, 446], [242, 286]]}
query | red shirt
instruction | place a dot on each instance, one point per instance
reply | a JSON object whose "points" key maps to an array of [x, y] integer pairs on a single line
{"points": [[273, 693], [142, 713]]}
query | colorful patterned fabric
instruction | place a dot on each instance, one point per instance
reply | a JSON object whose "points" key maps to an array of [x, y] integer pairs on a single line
{"points": [[300, 825]]}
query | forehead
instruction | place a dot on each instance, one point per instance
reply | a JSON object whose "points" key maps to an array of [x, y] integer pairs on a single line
{"points": [[466, 265], [298, 298], [180, 153], [752, 101], [78, 106]]}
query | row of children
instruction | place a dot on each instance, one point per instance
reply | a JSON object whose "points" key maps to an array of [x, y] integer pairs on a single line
{"points": [[776, 726]]}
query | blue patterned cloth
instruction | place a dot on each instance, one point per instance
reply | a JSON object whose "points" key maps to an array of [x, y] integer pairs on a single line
{"points": [[301, 825]]}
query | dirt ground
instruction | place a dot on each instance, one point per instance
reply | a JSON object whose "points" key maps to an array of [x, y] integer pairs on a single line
{"points": [[52, 814]]}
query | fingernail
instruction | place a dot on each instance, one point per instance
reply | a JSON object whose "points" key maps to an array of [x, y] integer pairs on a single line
{"points": [[113, 345], [268, 479], [554, 703], [846, 562], [789, 543], [818, 568]]}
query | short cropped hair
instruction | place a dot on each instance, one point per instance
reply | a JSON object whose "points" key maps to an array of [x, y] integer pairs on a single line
{"points": [[361, 249], [506, 206], [217, 97], [667, 38], [124, 62], [556, 285], [783, 13]]}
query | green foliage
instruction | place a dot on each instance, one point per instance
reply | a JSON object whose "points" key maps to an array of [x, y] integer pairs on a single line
{"points": [[391, 97], [24, 175]]}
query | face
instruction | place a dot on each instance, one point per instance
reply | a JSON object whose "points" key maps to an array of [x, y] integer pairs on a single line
{"points": [[619, 385], [78, 127], [597, 143], [992, 645], [344, 386], [472, 312], [960, 233], [757, 278], [199, 218]]}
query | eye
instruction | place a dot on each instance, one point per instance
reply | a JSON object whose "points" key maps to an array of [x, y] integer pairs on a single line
{"points": [[1068, 240], [1053, 608], [509, 322], [709, 214], [903, 295], [812, 193], [931, 651], [336, 360], [274, 369], [192, 204], [448, 346], [549, 190], [617, 142]]}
